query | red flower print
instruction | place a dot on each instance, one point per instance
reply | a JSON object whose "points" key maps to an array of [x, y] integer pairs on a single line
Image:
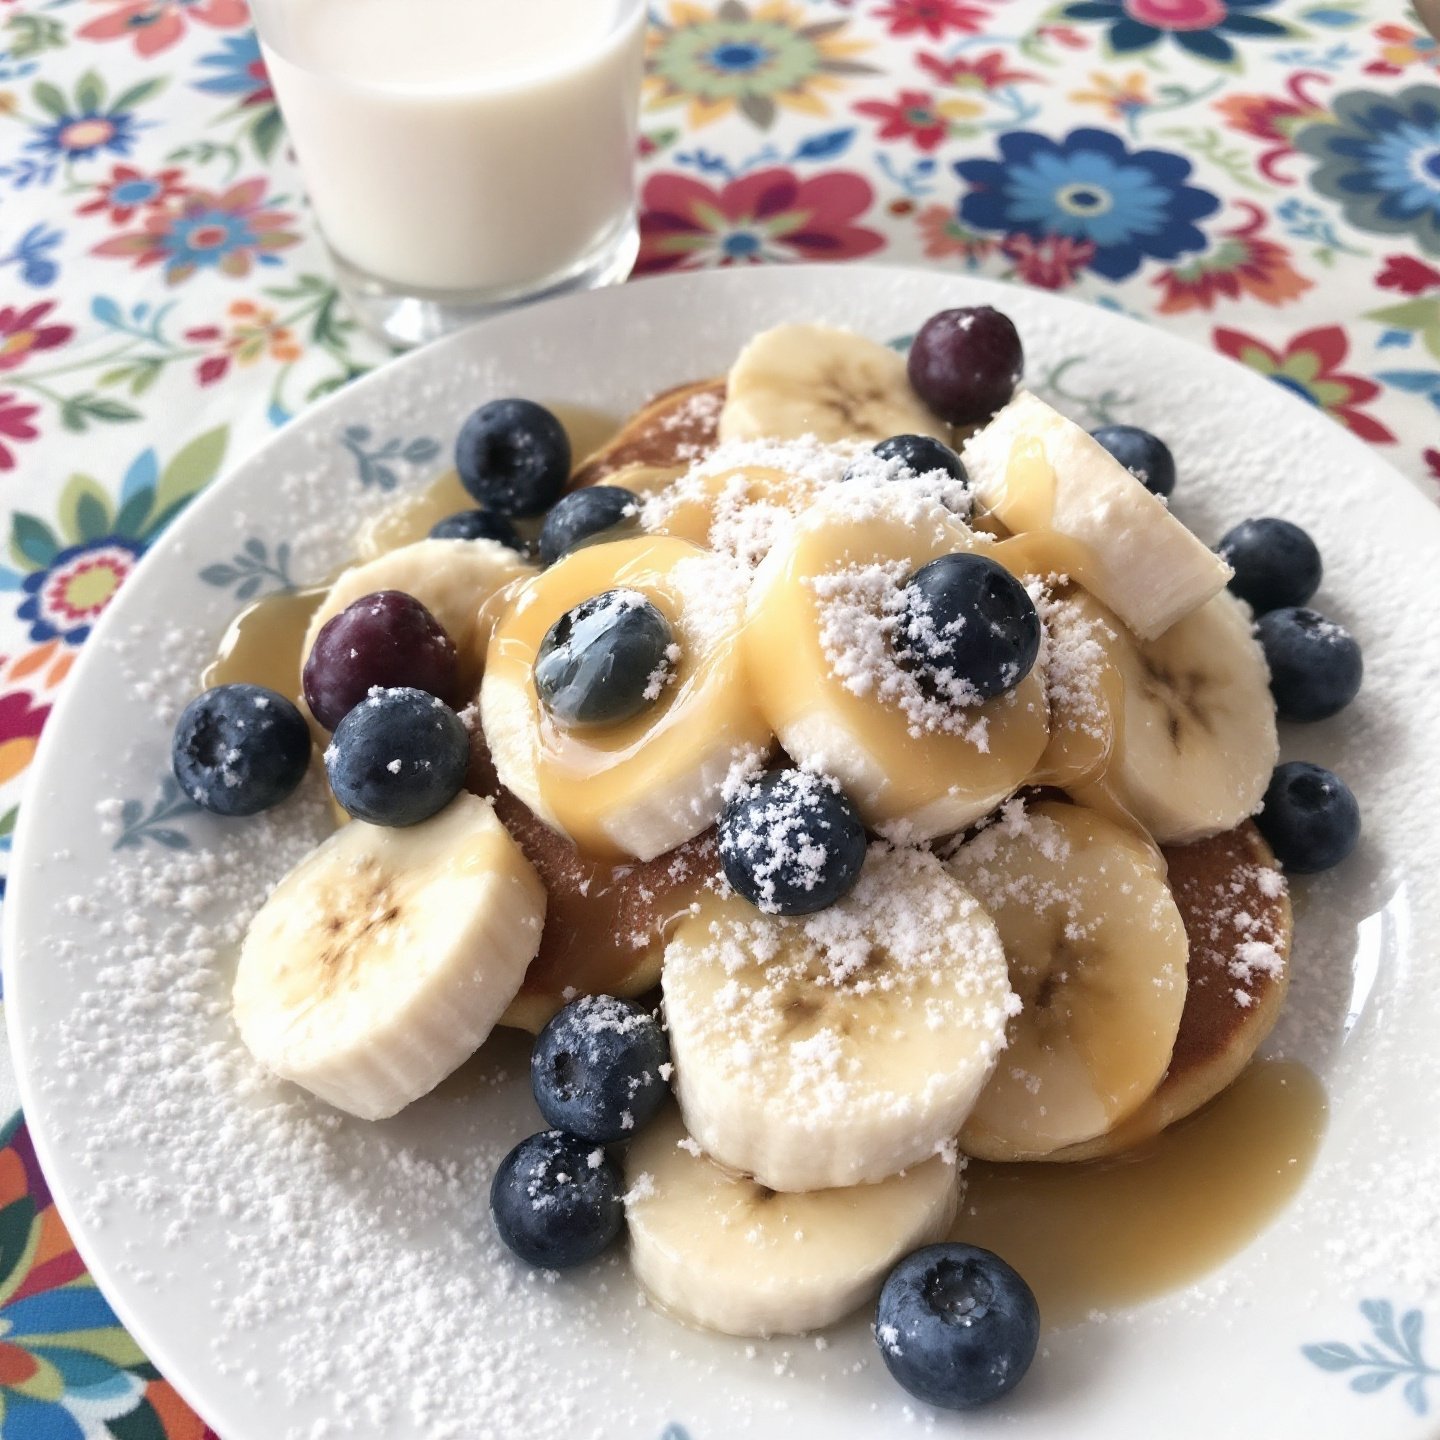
{"points": [[129, 190], [155, 25], [934, 17], [943, 237], [982, 72], [20, 723], [1051, 263], [770, 215], [1065, 35], [1400, 47], [1432, 459], [1407, 275], [1267, 118], [918, 117], [254, 332], [1241, 263], [1308, 366], [22, 334], [15, 424]]}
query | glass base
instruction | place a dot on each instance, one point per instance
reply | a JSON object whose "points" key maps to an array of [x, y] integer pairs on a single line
{"points": [[403, 317]]}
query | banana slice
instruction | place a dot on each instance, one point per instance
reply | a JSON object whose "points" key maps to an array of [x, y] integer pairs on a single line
{"points": [[1195, 741], [726, 1253], [1236, 909], [408, 520], [741, 511], [453, 579], [650, 784], [799, 380], [1039, 471], [1083, 687], [1097, 955], [384, 959], [822, 671], [843, 1047]]}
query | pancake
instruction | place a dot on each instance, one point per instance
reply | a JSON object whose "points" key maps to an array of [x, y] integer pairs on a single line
{"points": [[1237, 919], [675, 427], [605, 923]]}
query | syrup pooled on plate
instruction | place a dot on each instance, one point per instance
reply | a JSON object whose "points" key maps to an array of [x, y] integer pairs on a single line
{"points": [[1102, 1234], [262, 644]]}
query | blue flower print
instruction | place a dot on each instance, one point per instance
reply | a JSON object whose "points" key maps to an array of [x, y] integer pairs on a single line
{"points": [[1092, 189], [1380, 159]]}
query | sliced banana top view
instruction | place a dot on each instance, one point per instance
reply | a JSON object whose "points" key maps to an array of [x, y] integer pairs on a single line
{"points": [[840, 1048], [798, 380], [644, 785], [1097, 953], [843, 704]]}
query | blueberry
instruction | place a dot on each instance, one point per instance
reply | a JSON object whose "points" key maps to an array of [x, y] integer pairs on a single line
{"points": [[478, 525], [792, 842], [605, 661], [582, 514], [1275, 563], [596, 1068], [1147, 457], [1309, 817], [922, 454], [556, 1200], [956, 1326], [1315, 664], [967, 628], [383, 640], [513, 457], [398, 757], [239, 749], [965, 364]]}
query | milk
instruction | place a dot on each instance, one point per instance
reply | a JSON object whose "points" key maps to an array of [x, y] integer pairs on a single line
{"points": [[461, 145]]}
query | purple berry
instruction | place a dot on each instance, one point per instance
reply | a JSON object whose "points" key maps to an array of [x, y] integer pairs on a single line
{"points": [[965, 364], [388, 639]]}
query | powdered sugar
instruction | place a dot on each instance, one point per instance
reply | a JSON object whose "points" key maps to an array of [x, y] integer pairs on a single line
{"points": [[1073, 660], [785, 1016], [859, 609], [712, 600], [753, 492]]}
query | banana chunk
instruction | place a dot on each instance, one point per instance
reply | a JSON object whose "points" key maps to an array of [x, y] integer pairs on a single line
{"points": [[798, 380], [385, 957], [453, 579], [1036, 470], [1097, 954], [843, 1047], [1195, 740], [646, 785], [1236, 909], [822, 609], [741, 511], [724, 1252]]}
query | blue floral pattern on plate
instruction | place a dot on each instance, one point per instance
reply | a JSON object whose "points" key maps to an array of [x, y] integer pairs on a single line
{"points": [[1376, 1368]]}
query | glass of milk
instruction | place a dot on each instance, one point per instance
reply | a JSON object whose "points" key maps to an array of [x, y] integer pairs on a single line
{"points": [[462, 155]]}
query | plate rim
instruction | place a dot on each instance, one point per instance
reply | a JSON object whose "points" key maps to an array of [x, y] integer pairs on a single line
{"points": [[114, 1289]]}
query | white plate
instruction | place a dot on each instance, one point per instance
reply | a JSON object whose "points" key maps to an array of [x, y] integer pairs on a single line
{"points": [[287, 1267]]}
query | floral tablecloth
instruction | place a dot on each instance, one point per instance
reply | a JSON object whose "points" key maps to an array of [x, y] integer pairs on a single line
{"points": [[1260, 175]]}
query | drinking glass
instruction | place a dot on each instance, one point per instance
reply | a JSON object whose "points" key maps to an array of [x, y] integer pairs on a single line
{"points": [[462, 155]]}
